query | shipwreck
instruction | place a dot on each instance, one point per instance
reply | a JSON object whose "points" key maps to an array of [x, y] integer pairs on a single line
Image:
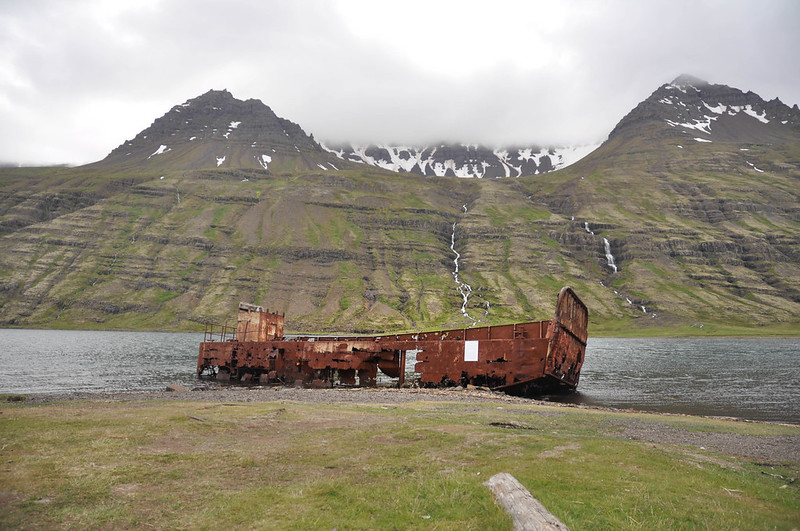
{"points": [[524, 359]]}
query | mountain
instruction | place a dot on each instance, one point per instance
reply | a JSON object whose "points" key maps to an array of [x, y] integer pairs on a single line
{"points": [[654, 229], [462, 160], [216, 130], [695, 196], [697, 111]]}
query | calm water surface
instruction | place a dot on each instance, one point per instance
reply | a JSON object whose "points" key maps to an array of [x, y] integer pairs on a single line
{"points": [[56, 361], [749, 378], [753, 378]]}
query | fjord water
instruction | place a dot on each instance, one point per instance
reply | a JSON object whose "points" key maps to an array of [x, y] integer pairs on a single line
{"points": [[63, 361], [756, 379], [751, 378]]}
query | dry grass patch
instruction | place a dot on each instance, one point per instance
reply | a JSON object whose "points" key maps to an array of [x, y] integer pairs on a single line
{"points": [[143, 464]]}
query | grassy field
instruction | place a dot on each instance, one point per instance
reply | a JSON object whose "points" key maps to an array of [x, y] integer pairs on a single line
{"points": [[91, 464]]}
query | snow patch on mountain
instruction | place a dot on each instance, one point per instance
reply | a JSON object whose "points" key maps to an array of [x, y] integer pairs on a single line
{"points": [[161, 149], [760, 117], [696, 105], [462, 160], [263, 161]]}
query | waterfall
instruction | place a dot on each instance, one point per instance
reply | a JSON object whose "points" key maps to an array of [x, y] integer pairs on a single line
{"points": [[612, 263], [463, 288], [609, 256]]}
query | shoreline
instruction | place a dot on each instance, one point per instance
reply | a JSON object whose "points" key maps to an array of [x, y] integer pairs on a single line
{"points": [[213, 391], [754, 332], [623, 423]]}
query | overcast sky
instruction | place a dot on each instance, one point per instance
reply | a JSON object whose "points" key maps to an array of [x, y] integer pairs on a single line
{"points": [[79, 77]]}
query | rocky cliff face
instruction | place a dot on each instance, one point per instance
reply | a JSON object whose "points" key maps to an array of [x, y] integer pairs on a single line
{"points": [[695, 192], [654, 228], [694, 110]]}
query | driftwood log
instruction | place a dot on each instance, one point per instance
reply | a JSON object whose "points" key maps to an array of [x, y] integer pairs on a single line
{"points": [[527, 513]]}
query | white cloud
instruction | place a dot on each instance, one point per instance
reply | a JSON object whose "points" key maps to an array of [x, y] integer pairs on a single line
{"points": [[458, 40], [78, 78]]}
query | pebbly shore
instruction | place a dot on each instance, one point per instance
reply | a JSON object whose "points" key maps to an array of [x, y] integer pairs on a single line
{"points": [[765, 450]]}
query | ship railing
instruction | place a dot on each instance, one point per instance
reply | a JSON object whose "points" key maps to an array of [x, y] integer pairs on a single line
{"points": [[219, 332]]}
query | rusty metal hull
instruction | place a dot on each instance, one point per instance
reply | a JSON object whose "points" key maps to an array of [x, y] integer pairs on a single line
{"points": [[523, 359]]}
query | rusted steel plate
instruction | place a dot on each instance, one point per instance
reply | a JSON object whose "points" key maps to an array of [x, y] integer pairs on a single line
{"points": [[256, 324], [523, 358]]}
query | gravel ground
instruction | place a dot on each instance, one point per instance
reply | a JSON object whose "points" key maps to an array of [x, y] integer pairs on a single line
{"points": [[765, 450], [213, 392]]}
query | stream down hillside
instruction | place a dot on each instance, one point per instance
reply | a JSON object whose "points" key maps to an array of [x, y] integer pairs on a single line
{"points": [[348, 251], [686, 219]]}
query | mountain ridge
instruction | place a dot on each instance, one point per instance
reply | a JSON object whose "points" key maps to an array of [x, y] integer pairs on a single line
{"points": [[462, 160], [265, 136], [217, 130], [653, 229]]}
